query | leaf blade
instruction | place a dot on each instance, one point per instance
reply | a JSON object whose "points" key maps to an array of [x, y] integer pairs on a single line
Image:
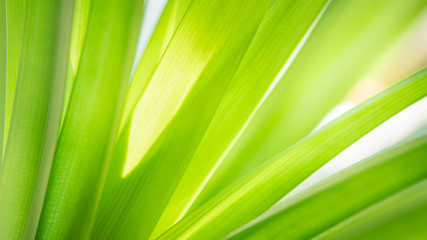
{"points": [[88, 132], [35, 116], [342, 48], [325, 200], [258, 191]]}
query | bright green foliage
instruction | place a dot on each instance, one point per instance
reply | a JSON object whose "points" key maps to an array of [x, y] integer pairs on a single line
{"points": [[213, 127], [172, 15], [233, 63], [78, 34], [35, 117], [402, 216], [15, 10], [82, 152], [2, 74], [344, 194], [255, 193], [333, 59]]}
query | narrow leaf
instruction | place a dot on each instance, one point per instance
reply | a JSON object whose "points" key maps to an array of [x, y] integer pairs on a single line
{"points": [[349, 38], [254, 194], [170, 19], [197, 68], [279, 38], [345, 194], [2, 75], [402, 216], [88, 132], [78, 33], [15, 10], [35, 116]]}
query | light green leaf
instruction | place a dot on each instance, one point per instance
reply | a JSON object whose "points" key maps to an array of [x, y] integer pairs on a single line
{"points": [[2, 75], [35, 117], [255, 193], [186, 57], [402, 216], [78, 33], [343, 195], [15, 10], [90, 125], [272, 49], [171, 17], [219, 33], [342, 48]]}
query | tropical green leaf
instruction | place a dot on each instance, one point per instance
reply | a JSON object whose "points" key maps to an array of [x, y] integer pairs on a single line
{"points": [[255, 193], [224, 46], [206, 134], [78, 33], [341, 49], [82, 155], [402, 216], [343, 195], [35, 116], [205, 105], [170, 19], [15, 10], [2, 75]]}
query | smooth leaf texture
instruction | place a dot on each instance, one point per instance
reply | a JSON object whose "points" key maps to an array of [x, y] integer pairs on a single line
{"points": [[200, 138], [268, 54], [35, 116], [78, 33], [182, 136], [402, 216], [15, 10], [342, 48], [2, 74], [162, 99], [170, 19], [82, 155], [234, 23], [252, 195], [343, 195]]}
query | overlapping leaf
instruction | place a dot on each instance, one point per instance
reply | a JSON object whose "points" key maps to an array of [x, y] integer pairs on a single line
{"points": [[252, 195], [226, 29], [344, 45], [402, 216], [35, 116], [88, 132], [15, 10], [345, 194], [78, 33]]}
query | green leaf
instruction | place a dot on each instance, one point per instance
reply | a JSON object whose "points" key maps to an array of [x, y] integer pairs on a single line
{"points": [[219, 33], [170, 19], [15, 10], [78, 33], [272, 49], [342, 48], [2, 75], [185, 59], [402, 216], [344, 194], [255, 193], [88, 132], [35, 116]]}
